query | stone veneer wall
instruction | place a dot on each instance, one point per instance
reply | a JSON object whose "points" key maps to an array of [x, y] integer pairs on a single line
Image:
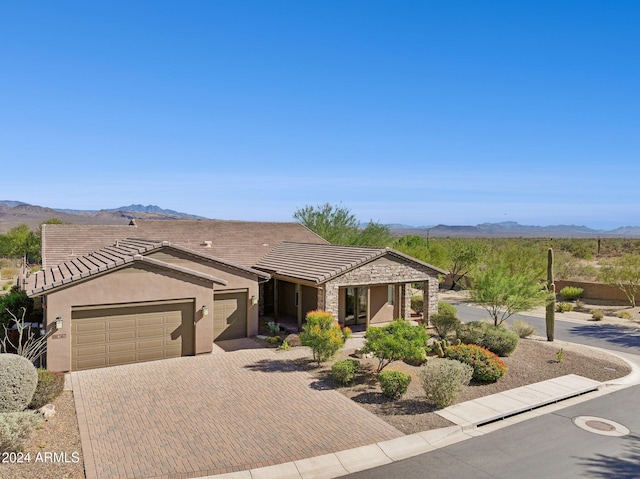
{"points": [[385, 271]]}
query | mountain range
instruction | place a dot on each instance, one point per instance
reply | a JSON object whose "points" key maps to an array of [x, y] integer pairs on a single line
{"points": [[14, 213]]}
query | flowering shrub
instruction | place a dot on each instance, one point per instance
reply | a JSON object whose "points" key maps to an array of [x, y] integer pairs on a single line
{"points": [[394, 383], [322, 334], [487, 366]]}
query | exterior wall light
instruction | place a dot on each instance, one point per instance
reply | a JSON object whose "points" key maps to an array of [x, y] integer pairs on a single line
{"points": [[205, 311], [254, 300], [58, 322]]}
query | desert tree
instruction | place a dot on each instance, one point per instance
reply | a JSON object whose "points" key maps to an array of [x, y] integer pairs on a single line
{"points": [[624, 273]]}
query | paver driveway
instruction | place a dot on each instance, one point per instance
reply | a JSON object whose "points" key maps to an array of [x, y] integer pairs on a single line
{"points": [[210, 414]]}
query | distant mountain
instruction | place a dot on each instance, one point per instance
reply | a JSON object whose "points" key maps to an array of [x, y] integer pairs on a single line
{"points": [[14, 213], [511, 229]]}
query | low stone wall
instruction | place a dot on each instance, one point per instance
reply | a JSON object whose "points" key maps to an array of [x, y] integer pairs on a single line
{"points": [[598, 291]]}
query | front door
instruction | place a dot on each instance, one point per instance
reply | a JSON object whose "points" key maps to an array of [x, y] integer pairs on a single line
{"points": [[355, 306]]}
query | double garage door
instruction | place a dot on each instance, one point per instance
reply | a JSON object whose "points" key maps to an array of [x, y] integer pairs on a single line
{"points": [[109, 336]]}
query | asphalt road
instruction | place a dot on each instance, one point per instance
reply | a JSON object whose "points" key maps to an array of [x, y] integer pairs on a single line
{"points": [[606, 336], [549, 446]]}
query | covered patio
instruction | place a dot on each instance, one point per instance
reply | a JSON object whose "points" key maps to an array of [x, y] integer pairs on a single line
{"points": [[358, 285]]}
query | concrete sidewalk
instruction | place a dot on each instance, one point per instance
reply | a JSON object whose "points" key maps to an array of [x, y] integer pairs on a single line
{"points": [[472, 418]]}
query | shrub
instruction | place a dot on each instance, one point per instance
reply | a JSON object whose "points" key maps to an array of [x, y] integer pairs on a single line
{"points": [[344, 372], [394, 383], [322, 334], [522, 329], [444, 379], [50, 386], [597, 315], [446, 320], [571, 293], [496, 339], [15, 429], [397, 341], [15, 301], [624, 315], [417, 303], [18, 380], [486, 365], [564, 307]]}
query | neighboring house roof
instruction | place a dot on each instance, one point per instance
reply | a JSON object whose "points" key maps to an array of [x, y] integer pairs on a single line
{"points": [[319, 263], [240, 242], [121, 254]]}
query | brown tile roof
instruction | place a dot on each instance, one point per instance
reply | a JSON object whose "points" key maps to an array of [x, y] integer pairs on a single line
{"points": [[241, 242], [105, 259], [319, 263]]}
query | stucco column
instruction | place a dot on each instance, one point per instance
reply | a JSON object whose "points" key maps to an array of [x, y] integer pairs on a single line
{"points": [[299, 305], [275, 298]]}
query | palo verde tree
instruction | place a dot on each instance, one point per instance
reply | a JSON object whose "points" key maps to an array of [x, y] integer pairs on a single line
{"points": [[503, 291], [623, 273], [463, 255], [338, 225]]}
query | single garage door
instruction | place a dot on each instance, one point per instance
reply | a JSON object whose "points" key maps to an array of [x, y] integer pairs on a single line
{"points": [[112, 335], [229, 315]]}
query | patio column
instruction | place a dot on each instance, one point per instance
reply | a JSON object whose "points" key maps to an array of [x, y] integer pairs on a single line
{"points": [[275, 298], [320, 292], [406, 303], [425, 302], [299, 305]]}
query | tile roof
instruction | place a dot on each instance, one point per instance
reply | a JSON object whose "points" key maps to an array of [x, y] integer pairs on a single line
{"points": [[319, 263], [105, 259], [241, 242]]}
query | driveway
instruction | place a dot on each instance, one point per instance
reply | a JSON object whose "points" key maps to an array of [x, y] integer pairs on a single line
{"points": [[239, 408]]}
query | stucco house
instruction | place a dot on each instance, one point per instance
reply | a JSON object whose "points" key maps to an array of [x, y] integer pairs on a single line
{"points": [[160, 289]]}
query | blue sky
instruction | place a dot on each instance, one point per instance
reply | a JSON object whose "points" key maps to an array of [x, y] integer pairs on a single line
{"points": [[415, 112]]}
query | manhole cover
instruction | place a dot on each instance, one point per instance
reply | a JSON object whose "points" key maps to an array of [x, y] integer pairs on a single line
{"points": [[598, 425]]}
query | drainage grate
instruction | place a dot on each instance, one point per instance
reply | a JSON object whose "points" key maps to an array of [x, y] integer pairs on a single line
{"points": [[598, 425]]}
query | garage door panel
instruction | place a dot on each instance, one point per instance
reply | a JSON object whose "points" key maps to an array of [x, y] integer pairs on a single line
{"points": [[116, 324], [121, 335], [91, 326], [89, 339], [125, 335]]}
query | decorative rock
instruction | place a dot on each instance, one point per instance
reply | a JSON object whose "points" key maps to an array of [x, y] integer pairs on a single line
{"points": [[47, 411], [293, 340], [359, 354]]}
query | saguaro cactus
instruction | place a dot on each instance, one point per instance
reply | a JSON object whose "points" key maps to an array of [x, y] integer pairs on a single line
{"points": [[551, 303]]}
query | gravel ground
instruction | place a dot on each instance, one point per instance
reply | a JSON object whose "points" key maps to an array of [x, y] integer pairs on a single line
{"points": [[534, 360], [58, 435]]}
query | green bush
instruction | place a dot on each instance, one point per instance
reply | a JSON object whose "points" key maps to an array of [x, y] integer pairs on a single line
{"points": [[15, 429], [522, 329], [344, 372], [494, 338], [624, 315], [571, 293], [443, 380], [50, 386], [564, 307], [417, 303], [446, 320], [394, 383], [322, 334], [397, 341], [597, 315], [486, 365], [18, 381], [14, 302]]}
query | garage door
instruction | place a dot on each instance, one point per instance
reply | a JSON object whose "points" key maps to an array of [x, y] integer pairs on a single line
{"points": [[108, 336], [230, 315]]}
